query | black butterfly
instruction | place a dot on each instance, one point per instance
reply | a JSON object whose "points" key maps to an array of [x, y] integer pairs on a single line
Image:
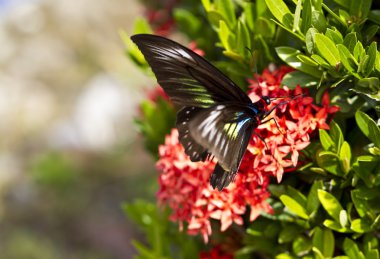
{"points": [[217, 118]]}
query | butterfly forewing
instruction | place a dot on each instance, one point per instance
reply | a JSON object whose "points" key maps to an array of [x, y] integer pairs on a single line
{"points": [[187, 78]]}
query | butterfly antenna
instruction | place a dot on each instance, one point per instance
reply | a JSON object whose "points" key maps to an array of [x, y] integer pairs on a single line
{"points": [[283, 97]]}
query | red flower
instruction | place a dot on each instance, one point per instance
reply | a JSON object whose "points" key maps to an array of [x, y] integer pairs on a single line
{"points": [[215, 253], [184, 185]]}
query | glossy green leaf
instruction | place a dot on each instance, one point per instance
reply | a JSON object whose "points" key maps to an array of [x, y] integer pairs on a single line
{"points": [[369, 127], [330, 204], [224, 35], [326, 141], [301, 246], [360, 226], [318, 21], [374, 16], [345, 157], [243, 39], [327, 49], [360, 8], [297, 16], [310, 39], [343, 218], [369, 66], [359, 203], [206, 4], [335, 36], [227, 10], [324, 241], [358, 51], [289, 56], [265, 28], [351, 249], [377, 61], [370, 32], [281, 12], [336, 135], [312, 203], [363, 167], [295, 78], [294, 206], [321, 61], [306, 16], [350, 41], [347, 58], [307, 60], [288, 233], [343, 3], [333, 225], [329, 161]]}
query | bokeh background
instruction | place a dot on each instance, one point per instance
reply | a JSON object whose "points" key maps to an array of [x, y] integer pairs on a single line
{"points": [[70, 154]]}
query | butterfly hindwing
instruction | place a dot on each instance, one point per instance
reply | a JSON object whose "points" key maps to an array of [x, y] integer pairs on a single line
{"points": [[187, 78], [195, 151], [224, 130]]}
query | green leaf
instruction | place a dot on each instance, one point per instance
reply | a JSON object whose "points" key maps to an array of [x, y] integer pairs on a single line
{"points": [[363, 166], [350, 41], [265, 28], [330, 162], [224, 35], [360, 226], [301, 246], [327, 49], [206, 5], [372, 50], [289, 56], [323, 240], [345, 157], [310, 39], [374, 16], [187, 20], [370, 32], [377, 62], [227, 10], [313, 203], [360, 8], [318, 21], [369, 127], [243, 39], [359, 203], [294, 206], [331, 224], [249, 14], [351, 249], [344, 3], [295, 78], [281, 12], [288, 233], [358, 51], [306, 16], [215, 17], [321, 61], [347, 59], [330, 204], [297, 16], [335, 36], [343, 218], [370, 85], [326, 141], [336, 135], [307, 60]]}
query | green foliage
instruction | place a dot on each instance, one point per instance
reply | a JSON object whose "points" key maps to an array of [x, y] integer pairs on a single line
{"points": [[164, 240], [156, 121]]}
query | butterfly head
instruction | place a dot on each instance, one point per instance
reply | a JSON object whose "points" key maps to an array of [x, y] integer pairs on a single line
{"points": [[262, 106]]}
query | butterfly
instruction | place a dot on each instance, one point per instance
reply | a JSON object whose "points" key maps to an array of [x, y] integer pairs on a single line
{"points": [[216, 119]]}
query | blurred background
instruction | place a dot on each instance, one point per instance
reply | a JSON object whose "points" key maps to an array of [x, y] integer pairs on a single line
{"points": [[70, 154]]}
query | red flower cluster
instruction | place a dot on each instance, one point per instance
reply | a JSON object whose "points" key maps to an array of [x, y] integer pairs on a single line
{"points": [[184, 185], [215, 253]]}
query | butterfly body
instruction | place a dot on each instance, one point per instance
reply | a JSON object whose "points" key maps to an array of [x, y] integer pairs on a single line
{"points": [[216, 118]]}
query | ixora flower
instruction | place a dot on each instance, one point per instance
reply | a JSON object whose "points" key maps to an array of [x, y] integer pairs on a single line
{"points": [[184, 185]]}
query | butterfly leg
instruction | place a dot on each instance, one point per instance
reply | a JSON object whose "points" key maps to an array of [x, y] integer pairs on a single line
{"points": [[278, 127], [261, 138]]}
